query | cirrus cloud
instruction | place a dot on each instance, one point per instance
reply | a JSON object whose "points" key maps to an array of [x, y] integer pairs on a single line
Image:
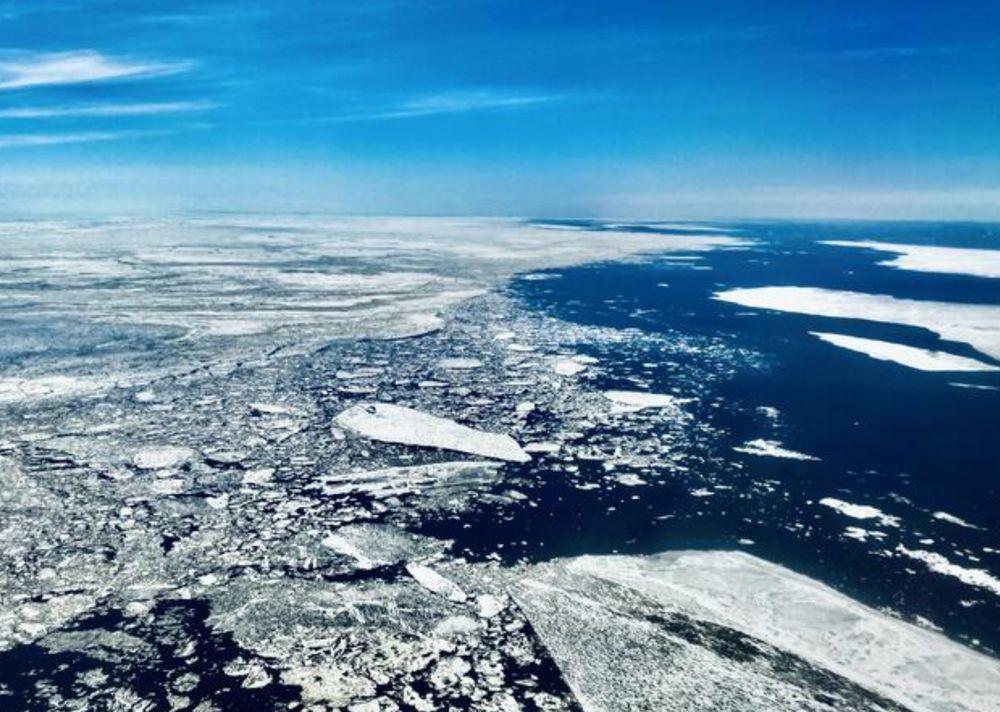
{"points": [[29, 69]]}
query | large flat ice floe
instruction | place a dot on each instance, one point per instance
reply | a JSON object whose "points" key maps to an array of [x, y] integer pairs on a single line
{"points": [[728, 631], [927, 258], [397, 424], [772, 448], [975, 324], [909, 356]]}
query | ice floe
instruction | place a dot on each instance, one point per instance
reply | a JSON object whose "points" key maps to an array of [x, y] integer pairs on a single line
{"points": [[162, 457], [860, 511], [938, 563], [952, 519], [633, 401], [910, 356], [771, 448], [932, 258], [433, 581], [397, 424], [975, 324], [662, 632]]}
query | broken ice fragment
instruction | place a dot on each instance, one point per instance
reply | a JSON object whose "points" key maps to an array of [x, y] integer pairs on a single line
{"points": [[160, 458], [435, 582], [386, 422]]}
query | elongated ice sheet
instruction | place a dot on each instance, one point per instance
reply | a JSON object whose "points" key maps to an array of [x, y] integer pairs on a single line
{"points": [[930, 258], [975, 324], [910, 356], [684, 594]]}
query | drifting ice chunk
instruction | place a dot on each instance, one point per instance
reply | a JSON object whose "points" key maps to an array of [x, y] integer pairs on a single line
{"points": [[433, 581], [912, 357], [632, 401], [459, 364], [160, 458], [860, 511], [771, 448], [395, 424]]}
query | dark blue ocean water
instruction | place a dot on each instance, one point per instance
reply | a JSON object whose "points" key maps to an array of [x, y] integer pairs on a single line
{"points": [[888, 436]]}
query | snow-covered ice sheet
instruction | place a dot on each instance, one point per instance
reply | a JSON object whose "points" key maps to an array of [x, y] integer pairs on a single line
{"points": [[397, 424], [975, 324], [931, 258], [613, 657], [909, 356]]}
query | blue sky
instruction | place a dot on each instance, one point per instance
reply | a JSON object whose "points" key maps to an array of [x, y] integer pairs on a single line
{"points": [[874, 108]]}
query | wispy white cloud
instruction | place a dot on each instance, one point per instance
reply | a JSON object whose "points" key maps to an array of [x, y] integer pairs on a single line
{"points": [[54, 139], [450, 103], [27, 140], [100, 110], [22, 70]]}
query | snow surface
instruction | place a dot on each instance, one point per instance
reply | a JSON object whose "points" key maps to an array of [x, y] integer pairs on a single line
{"points": [[397, 424], [927, 258], [910, 356]]}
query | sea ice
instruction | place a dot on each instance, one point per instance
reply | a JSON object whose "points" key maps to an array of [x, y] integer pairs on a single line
{"points": [[920, 359], [771, 448], [396, 424], [975, 324], [433, 581], [658, 632], [928, 258], [860, 511], [940, 564], [632, 401]]}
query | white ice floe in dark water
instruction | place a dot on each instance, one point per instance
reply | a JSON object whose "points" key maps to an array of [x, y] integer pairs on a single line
{"points": [[952, 519], [633, 401], [910, 356], [433, 581], [771, 448], [598, 616], [931, 258], [568, 366], [860, 511], [975, 324], [938, 563], [397, 424]]}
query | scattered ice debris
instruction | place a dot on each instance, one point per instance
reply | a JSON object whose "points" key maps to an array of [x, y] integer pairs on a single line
{"points": [[397, 424], [772, 448], [769, 412], [912, 357], [702, 492], [395, 481], [633, 401], [932, 258], [433, 581], [860, 511], [940, 564], [952, 519], [162, 457], [859, 534]]}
